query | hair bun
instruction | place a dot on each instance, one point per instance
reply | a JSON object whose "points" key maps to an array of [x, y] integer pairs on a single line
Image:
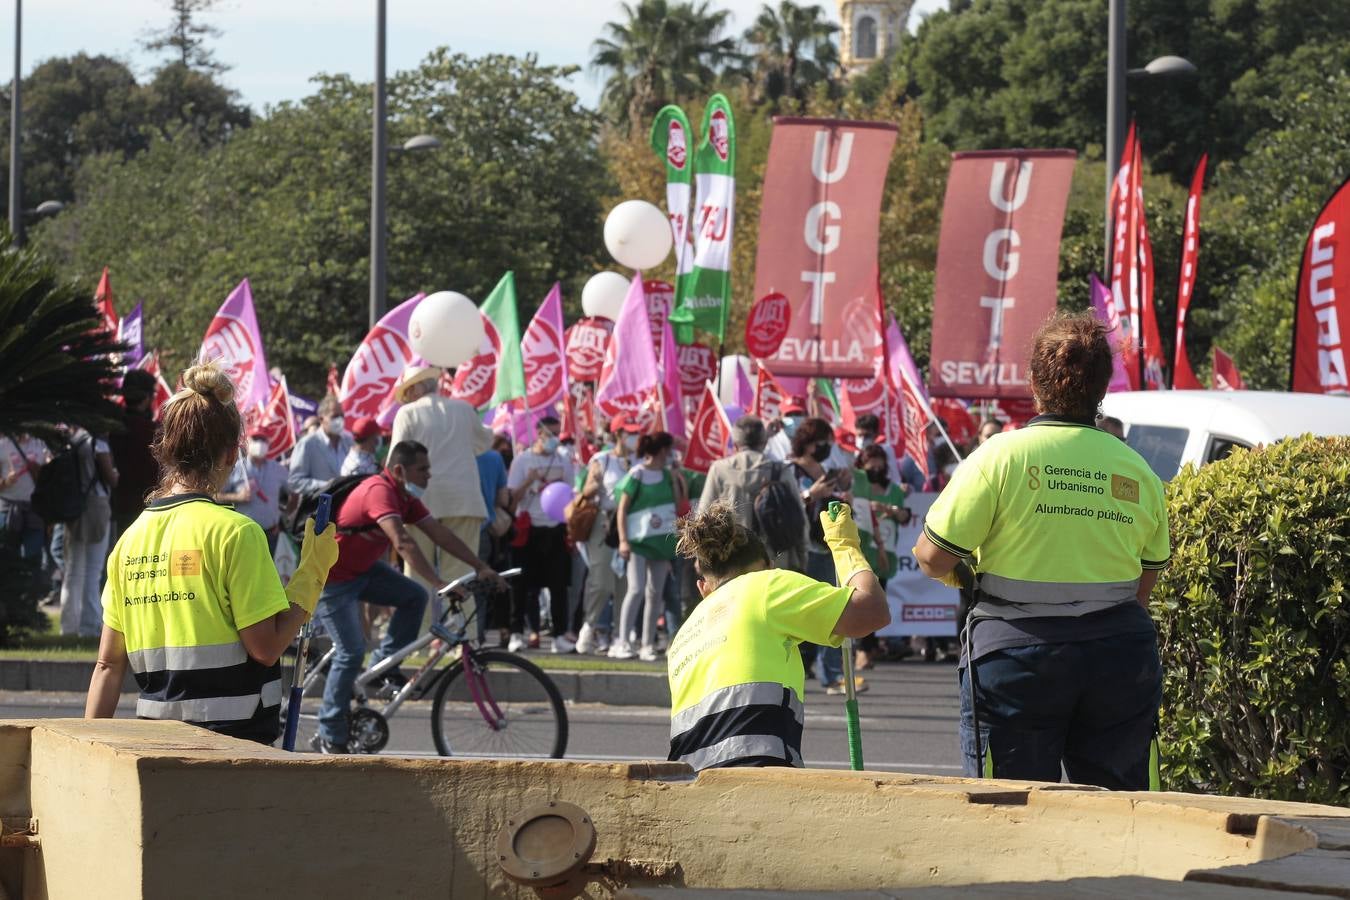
{"points": [[209, 380]]}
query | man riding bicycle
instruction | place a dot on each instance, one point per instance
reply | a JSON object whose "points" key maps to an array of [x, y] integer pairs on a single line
{"points": [[370, 520]]}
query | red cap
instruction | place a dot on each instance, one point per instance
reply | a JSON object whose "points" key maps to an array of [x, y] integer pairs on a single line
{"points": [[844, 438], [792, 405], [624, 422], [365, 427]]}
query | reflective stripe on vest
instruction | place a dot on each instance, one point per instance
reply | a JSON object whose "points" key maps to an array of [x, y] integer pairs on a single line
{"points": [[756, 719], [210, 656], [1014, 598], [211, 709]]}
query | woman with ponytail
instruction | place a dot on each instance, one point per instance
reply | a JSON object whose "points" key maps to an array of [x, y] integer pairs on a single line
{"points": [[193, 605]]}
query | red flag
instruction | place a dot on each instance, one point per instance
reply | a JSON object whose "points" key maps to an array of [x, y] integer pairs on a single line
{"points": [[1318, 364], [769, 394], [150, 363], [586, 342], [334, 381], [1152, 340], [275, 421], [997, 268], [960, 423], [103, 299], [710, 435], [1226, 375], [1124, 258], [544, 353], [580, 404], [915, 422], [1183, 376], [818, 228]]}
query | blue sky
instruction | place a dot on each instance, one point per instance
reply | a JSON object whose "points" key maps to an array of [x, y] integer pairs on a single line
{"points": [[274, 46]]}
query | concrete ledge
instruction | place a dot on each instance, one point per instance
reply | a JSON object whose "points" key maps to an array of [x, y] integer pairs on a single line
{"points": [[613, 688], [126, 808]]}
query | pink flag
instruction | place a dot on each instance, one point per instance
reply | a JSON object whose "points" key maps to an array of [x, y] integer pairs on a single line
{"points": [[233, 339], [1106, 311], [375, 367], [672, 398], [901, 362], [629, 378], [544, 352]]}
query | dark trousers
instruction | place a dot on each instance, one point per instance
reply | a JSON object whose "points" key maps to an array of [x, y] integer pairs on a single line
{"points": [[546, 564], [1089, 706]]}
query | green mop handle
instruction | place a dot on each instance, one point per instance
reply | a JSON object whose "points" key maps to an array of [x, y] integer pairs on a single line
{"points": [[855, 755]]}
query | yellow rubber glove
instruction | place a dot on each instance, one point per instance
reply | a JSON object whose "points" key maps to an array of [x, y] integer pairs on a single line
{"points": [[841, 536], [317, 555], [956, 577]]}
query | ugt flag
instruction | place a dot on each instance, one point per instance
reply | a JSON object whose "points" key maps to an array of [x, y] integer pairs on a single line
{"points": [[710, 434], [378, 364], [234, 340], [1323, 311], [276, 422], [543, 354], [1183, 377]]}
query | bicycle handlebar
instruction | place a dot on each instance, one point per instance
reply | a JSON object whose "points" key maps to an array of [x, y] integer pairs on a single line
{"points": [[458, 583]]}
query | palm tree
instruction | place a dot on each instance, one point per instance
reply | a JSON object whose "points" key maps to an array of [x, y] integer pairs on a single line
{"points": [[662, 52], [57, 364], [794, 50]]}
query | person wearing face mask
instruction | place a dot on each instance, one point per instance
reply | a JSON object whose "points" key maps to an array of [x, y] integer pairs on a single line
{"points": [[256, 487], [371, 519], [361, 458], [544, 555], [317, 459], [879, 509], [811, 448], [791, 414], [648, 498], [603, 475]]}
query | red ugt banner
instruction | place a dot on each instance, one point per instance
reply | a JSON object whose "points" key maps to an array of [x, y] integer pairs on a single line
{"points": [[998, 265], [1323, 309], [818, 232]]}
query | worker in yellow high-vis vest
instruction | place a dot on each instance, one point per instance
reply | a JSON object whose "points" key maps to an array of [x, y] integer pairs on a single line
{"points": [[736, 676], [1065, 528], [193, 604]]}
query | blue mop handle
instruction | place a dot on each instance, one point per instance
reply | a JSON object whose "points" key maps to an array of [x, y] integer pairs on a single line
{"points": [[321, 515]]}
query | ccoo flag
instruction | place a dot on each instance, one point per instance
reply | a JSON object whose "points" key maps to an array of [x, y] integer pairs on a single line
{"points": [[234, 340], [1322, 313], [376, 366]]}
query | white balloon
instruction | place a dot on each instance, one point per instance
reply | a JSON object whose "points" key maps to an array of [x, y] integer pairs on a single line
{"points": [[604, 295], [445, 329], [729, 364], [638, 234]]}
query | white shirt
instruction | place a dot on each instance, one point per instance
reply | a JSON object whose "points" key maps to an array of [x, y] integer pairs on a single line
{"points": [[454, 436], [779, 447], [16, 459], [552, 466]]}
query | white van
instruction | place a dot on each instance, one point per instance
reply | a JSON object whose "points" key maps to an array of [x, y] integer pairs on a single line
{"points": [[1172, 428]]}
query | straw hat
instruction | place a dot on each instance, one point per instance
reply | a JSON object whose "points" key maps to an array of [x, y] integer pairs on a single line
{"points": [[417, 371]]}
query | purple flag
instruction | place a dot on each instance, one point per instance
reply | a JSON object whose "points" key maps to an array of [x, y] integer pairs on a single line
{"points": [[129, 332], [1105, 309], [745, 392], [234, 340], [901, 364], [671, 400], [301, 409], [629, 378], [378, 364]]}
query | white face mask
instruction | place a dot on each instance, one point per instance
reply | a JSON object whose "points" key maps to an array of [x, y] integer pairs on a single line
{"points": [[334, 425], [414, 491], [257, 449], [630, 442]]}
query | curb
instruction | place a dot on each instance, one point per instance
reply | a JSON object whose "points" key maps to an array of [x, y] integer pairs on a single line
{"points": [[610, 688]]}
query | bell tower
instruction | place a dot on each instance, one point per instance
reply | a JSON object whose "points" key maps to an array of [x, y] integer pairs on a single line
{"points": [[870, 31]]}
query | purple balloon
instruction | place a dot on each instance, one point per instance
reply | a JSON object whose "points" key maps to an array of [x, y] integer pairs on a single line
{"points": [[733, 412], [554, 500]]}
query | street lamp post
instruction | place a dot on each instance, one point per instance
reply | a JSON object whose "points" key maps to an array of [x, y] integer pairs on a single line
{"points": [[1116, 117], [15, 194]]}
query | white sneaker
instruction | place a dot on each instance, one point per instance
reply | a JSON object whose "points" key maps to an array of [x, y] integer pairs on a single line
{"points": [[561, 644], [601, 643], [647, 653], [586, 642], [621, 650], [516, 644]]}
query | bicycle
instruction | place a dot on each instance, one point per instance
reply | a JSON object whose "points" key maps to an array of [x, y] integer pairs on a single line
{"points": [[488, 703]]}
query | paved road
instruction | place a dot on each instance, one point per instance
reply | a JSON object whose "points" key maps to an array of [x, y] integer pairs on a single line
{"points": [[909, 719]]}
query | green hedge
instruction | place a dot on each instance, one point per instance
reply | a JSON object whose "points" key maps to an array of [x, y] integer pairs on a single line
{"points": [[1254, 625]]}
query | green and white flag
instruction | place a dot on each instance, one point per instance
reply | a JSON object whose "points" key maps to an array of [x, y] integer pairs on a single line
{"points": [[497, 374], [670, 139], [707, 298]]}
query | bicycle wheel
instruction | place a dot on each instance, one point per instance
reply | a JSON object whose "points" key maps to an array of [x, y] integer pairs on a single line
{"points": [[508, 708]]}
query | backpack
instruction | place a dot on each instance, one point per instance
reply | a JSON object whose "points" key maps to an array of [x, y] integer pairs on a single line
{"points": [[60, 493], [339, 489], [778, 514]]}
